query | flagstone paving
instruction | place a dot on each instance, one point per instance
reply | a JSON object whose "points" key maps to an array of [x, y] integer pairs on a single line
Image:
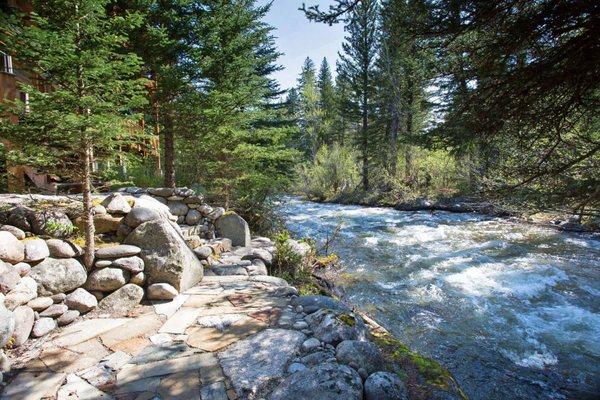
{"points": [[169, 350]]}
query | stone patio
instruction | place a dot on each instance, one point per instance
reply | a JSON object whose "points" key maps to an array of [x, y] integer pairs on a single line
{"points": [[168, 350]]}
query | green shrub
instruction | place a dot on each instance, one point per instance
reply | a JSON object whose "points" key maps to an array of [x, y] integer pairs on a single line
{"points": [[333, 171]]}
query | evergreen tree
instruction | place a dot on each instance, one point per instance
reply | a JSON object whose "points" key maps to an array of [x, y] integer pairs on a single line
{"points": [[327, 102], [310, 109], [403, 66], [81, 53], [357, 64], [237, 144]]}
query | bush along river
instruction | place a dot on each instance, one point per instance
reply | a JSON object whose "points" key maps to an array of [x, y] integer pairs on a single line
{"points": [[512, 310]]}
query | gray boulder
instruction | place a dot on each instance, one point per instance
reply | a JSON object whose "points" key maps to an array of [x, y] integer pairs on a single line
{"points": [[61, 249], [216, 213], [24, 320], [192, 217], [385, 386], [123, 299], [121, 250], [177, 208], [58, 275], [161, 291], [359, 355], [145, 201], [167, 258], [234, 227], [7, 325], [11, 249], [139, 215], [323, 382], [333, 327], [9, 277], [25, 291], [259, 254], [116, 203], [132, 264], [35, 250], [107, 279], [81, 300], [257, 362]]}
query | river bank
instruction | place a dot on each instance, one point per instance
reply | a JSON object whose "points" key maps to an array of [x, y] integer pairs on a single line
{"points": [[555, 219], [510, 309]]}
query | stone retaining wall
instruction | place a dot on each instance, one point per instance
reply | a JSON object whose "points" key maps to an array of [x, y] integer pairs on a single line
{"points": [[152, 243]]}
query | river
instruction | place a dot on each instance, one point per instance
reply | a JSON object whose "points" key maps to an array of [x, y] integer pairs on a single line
{"points": [[511, 309]]}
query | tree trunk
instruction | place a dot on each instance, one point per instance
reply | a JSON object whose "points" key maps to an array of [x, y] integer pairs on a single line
{"points": [[169, 151], [393, 136], [88, 256], [156, 121]]}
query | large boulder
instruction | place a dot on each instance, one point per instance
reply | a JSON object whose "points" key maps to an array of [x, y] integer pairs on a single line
{"points": [[145, 201], [107, 279], [234, 227], [7, 325], [58, 275], [323, 382], [123, 299], [167, 258], [35, 250], [116, 203], [385, 386], [11, 249]]}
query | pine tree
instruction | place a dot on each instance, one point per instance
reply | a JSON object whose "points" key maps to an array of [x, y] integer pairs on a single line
{"points": [[403, 66], [82, 55], [327, 102], [238, 134], [310, 110], [357, 64]]}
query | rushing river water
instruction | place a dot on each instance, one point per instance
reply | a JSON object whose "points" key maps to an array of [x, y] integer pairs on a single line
{"points": [[512, 310]]}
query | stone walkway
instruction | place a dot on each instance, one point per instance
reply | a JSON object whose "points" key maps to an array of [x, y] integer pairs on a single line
{"points": [[229, 337]]}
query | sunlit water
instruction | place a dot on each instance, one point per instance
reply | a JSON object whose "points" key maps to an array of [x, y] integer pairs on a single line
{"points": [[512, 310]]}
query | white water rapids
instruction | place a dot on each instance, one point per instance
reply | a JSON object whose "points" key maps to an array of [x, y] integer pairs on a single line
{"points": [[512, 310]]}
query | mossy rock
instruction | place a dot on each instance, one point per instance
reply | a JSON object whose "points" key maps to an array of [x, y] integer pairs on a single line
{"points": [[405, 362]]}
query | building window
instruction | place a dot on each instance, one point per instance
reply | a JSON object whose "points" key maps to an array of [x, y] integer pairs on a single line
{"points": [[6, 63]]}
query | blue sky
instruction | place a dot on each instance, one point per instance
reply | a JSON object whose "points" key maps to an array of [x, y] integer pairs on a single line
{"points": [[299, 38]]}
